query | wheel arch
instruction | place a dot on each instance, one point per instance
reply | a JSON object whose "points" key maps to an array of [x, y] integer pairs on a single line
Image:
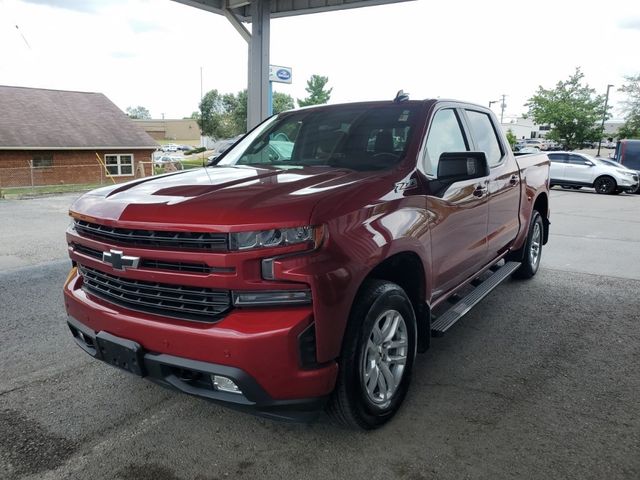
{"points": [[407, 270], [605, 175], [541, 205]]}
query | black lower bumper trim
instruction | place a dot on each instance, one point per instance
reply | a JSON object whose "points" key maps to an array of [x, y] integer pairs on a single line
{"points": [[192, 376]]}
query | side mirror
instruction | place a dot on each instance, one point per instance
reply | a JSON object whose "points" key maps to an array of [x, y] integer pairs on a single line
{"points": [[459, 166], [589, 163]]}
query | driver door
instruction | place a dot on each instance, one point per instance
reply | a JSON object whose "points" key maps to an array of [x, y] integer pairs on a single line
{"points": [[459, 214]]}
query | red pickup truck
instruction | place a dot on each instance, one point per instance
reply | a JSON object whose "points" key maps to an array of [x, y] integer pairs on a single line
{"points": [[307, 268]]}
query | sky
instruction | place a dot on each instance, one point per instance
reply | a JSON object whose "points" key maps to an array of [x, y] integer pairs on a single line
{"points": [[150, 52]]}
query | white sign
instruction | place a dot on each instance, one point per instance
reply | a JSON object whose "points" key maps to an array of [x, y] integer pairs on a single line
{"points": [[280, 74]]}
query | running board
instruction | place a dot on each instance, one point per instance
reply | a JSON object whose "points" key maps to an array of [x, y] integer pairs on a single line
{"points": [[445, 321]]}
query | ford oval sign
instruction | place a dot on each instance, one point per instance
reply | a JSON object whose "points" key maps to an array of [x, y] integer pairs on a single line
{"points": [[283, 74], [279, 74]]}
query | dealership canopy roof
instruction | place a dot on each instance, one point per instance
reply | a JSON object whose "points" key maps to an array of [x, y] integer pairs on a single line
{"points": [[259, 12], [282, 8]]}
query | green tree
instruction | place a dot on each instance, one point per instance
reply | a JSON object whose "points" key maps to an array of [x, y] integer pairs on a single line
{"points": [[213, 113], [572, 108], [138, 112], [317, 93], [631, 108], [282, 102], [511, 138], [225, 115]]}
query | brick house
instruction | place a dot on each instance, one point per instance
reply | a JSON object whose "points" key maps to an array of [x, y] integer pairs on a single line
{"points": [[52, 137]]}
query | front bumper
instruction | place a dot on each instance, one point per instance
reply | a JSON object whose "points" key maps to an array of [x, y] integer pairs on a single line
{"points": [[629, 188], [256, 348]]}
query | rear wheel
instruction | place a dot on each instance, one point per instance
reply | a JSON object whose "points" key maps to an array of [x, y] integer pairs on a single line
{"points": [[377, 357], [605, 185], [532, 248]]}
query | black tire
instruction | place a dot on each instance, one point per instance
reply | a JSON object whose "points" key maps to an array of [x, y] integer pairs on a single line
{"points": [[351, 405], [530, 261], [605, 185]]}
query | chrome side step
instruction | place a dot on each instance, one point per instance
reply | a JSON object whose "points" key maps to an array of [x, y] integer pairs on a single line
{"points": [[445, 321]]}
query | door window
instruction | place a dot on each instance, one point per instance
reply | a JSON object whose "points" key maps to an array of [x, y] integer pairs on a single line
{"points": [[632, 155], [557, 157], [485, 136], [445, 135], [577, 160]]}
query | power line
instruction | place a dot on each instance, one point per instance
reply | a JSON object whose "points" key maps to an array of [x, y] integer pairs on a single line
{"points": [[23, 38]]}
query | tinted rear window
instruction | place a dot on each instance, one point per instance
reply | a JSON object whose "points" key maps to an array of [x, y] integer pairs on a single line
{"points": [[631, 158]]}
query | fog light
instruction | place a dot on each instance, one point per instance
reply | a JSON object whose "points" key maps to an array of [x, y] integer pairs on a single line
{"points": [[224, 384]]}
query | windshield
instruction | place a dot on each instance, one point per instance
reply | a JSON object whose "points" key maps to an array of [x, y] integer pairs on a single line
{"points": [[358, 137], [609, 163]]}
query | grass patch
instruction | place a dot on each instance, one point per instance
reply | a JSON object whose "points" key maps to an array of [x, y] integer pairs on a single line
{"points": [[194, 162], [13, 192]]}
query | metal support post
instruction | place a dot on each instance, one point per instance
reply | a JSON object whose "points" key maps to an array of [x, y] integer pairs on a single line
{"points": [[258, 101]]}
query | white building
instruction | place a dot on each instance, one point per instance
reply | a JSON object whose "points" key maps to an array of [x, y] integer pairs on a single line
{"points": [[525, 128]]}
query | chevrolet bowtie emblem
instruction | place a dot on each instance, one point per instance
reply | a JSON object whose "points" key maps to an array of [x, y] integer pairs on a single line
{"points": [[119, 261]]}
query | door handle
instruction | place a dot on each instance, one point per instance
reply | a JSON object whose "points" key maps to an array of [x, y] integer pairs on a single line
{"points": [[480, 191], [513, 180]]}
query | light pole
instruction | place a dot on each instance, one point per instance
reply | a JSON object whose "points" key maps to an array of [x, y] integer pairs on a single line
{"points": [[502, 107], [491, 102], [604, 116]]}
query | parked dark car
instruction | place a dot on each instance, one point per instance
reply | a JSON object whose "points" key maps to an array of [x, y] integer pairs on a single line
{"points": [[627, 153], [219, 148]]}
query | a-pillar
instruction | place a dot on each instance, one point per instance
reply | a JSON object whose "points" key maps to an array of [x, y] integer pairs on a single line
{"points": [[258, 90]]}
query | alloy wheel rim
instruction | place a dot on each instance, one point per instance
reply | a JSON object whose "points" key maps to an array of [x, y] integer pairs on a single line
{"points": [[536, 243], [604, 186], [384, 358]]}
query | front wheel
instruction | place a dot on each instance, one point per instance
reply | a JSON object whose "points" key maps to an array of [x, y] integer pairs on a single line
{"points": [[378, 351], [605, 185], [532, 248]]}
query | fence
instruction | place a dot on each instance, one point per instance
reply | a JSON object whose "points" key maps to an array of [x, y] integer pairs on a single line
{"points": [[60, 178]]}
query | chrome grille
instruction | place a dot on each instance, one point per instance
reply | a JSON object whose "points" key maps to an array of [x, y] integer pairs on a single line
{"points": [[153, 238], [183, 302], [189, 267]]}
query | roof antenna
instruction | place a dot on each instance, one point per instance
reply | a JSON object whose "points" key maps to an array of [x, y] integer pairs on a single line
{"points": [[401, 96]]}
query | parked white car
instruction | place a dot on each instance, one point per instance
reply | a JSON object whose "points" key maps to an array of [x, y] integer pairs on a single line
{"points": [[170, 147], [577, 170]]}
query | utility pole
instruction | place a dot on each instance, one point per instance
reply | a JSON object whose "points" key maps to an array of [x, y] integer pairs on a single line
{"points": [[604, 116], [502, 107]]}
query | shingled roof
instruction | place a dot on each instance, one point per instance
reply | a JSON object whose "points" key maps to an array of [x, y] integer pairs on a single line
{"points": [[39, 119]]}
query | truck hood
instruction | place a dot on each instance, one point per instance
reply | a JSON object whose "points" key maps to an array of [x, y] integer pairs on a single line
{"points": [[218, 198]]}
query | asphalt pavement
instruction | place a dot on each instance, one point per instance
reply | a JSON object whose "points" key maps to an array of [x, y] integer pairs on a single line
{"points": [[539, 381]]}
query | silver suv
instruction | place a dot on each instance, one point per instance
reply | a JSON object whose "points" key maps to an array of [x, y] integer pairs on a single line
{"points": [[577, 170]]}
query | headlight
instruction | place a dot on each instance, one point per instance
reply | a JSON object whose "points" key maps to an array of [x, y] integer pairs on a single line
{"points": [[273, 238]]}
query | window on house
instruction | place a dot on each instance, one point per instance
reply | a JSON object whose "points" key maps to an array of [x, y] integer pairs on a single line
{"points": [[119, 165], [42, 160]]}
